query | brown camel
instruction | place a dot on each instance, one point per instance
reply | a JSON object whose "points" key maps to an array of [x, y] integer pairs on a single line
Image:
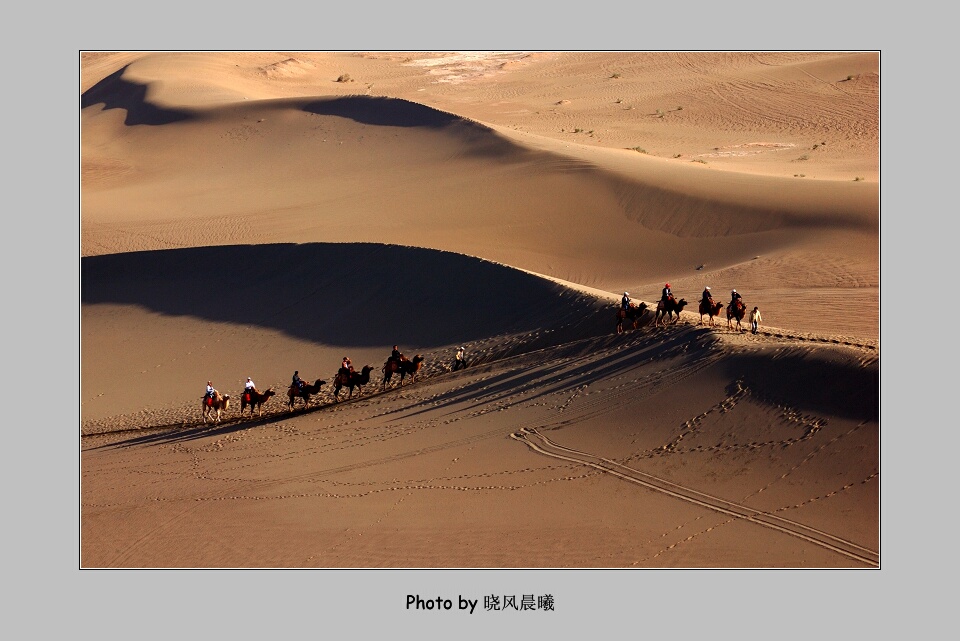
{"points": [[712, 309], [213, 407], [253, 398], [736, 312]]}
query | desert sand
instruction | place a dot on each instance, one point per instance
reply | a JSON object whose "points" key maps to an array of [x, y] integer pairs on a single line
{"points": [[260, 213]]}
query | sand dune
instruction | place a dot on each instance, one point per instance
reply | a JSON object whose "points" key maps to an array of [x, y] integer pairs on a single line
{"points": [[252, 214]]}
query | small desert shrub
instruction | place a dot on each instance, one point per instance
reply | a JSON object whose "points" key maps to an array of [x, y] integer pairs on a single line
{"points": [[700, 160], [858, 179], [344, 77], [638, 149], [804, 157], [679, 108], [676, 155], [616, 75]]}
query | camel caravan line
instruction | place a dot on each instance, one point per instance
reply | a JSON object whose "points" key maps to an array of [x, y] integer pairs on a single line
{"points": [[668, 310], [214, 405]]}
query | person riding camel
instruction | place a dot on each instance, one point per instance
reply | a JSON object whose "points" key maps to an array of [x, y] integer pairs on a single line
{"points": [[297, 381], [625, 301], [210, 394], [395, 355], [249, 387], [666, 296], [736, 300], [346, 366], [706, 297]]}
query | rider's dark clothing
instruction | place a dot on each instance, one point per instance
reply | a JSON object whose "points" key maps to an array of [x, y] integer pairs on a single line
{"points": [[666, 294]]}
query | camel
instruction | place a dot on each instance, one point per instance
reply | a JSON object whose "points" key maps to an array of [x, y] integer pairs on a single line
{"points": [[402, 367], [350, 380], [712, 310], [253, 398], [213, 407], [634, 312], [736, 313], [304, 392], [668, 309]]}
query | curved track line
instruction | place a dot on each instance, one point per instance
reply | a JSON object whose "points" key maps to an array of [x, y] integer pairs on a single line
{"points": [[765, 519]]}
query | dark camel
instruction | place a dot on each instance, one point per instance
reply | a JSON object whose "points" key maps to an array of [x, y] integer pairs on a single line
{"points": [[668, 309], [401, 367], [304, 392], [633, 313], [350, 380]]}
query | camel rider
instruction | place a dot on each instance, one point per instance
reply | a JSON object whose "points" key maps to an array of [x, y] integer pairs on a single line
{"points": [[735, 299], [666, 295], [706, 297], [625, 301], [249, 387], [460, 359], [211, 392], [297, 382], [346, 366], [395, 354]]}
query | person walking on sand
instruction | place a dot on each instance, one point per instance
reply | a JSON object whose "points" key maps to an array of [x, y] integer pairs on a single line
{"points": [[755, 319]]}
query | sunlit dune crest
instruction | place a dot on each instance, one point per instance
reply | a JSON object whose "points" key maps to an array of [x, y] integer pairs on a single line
{"points": [[257, 214]]}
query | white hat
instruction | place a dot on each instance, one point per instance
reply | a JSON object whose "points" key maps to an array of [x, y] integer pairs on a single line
{"points": [[708, 286], [733, 291], [626, 293]]}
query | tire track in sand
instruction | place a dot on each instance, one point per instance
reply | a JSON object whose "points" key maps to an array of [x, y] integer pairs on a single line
{"points": [[541, 444]]}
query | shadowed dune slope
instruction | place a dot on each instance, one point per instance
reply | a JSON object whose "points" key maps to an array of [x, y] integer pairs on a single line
{"points": [[364, 169], [349, 294]]}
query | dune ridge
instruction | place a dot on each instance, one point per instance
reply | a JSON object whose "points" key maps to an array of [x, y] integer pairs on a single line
{"points": [[255, 213]]}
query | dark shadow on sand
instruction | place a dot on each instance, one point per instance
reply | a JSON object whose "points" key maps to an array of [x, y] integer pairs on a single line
{"points": [[361, 294], [820, 381], [113, 92]]}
